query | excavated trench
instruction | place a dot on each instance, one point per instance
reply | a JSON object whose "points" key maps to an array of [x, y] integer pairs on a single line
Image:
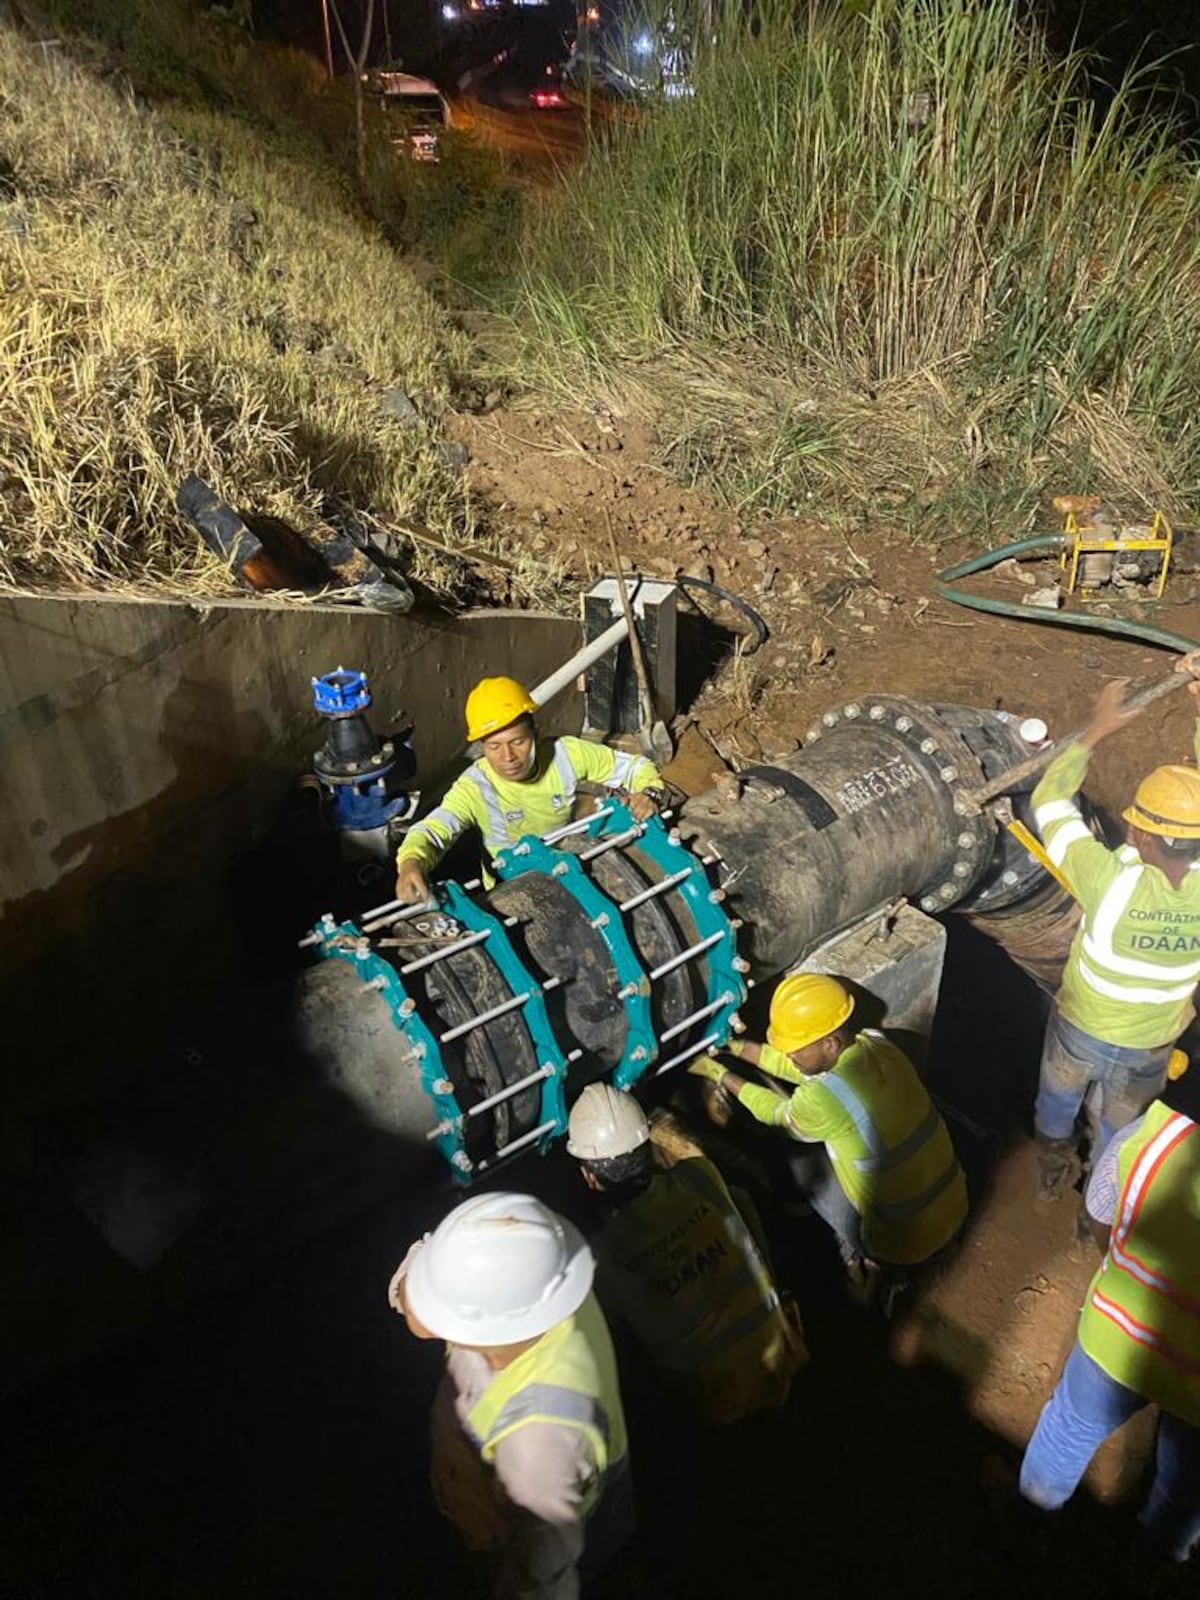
{"points": [[270, 1439]]}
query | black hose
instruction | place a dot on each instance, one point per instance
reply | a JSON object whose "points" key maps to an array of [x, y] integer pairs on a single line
{"points": [[1087, 620], [685, 581]]}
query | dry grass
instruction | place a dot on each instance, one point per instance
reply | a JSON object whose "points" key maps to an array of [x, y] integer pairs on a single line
{"points": [[180, 296]]}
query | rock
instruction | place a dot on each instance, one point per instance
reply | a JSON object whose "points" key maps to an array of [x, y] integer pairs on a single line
{"points": [[1049, 599], [396, 404], [452, 453], [1012, 568], [755, 548]]}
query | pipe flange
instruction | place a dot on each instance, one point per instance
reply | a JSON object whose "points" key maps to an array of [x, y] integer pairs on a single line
{"points": [[945, 757]]}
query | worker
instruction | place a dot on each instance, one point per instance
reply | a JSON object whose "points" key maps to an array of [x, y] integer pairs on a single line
{"points": [[1127, 988], [518, 785], [529, 1447], [677, 1262], [1138, 1341], [889, 1183]]}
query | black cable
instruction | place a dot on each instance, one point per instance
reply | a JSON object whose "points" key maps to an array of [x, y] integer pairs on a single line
{"points": [[686, 581]]}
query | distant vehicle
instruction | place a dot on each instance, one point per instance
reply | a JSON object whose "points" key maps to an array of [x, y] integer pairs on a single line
{"points": [[418, 110], [547, 95]]}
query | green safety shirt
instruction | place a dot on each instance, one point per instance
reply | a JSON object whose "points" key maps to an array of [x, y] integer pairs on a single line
{"points": [[1133, 966], [888, 1144], [505, 809], [682, 1268]]}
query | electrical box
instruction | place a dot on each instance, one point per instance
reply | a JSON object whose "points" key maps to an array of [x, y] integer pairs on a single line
{"points": [[611, 688]]}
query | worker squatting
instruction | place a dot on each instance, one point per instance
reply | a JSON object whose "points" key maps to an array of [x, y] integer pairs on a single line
{"points": [[530, 1449]]}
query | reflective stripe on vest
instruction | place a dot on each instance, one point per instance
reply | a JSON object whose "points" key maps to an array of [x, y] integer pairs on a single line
{"points": [[495, 835], [552, 1403], [441, 818], [894, 1212], [567, 775], [625, 769], [1153, 1315], [882, 1159], [1101, 968], [1168, 1139]]}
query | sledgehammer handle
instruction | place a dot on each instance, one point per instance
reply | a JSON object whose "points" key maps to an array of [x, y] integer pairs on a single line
{"points": [[1141, 697]]}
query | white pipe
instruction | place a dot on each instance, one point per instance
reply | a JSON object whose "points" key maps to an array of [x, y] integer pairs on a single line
{"points": [[579, 662]]}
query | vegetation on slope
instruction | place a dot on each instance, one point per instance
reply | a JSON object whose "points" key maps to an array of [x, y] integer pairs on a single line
{"points": [[888, 254], [190, 286]]}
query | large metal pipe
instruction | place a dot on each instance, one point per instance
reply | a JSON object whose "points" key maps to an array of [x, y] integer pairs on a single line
{"points": [[616, 951]]}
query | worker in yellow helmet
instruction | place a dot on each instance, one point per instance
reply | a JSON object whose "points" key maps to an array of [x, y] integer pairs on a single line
{"points": [[892, 1189], [1138, 1341], [530, 1458], [1128, 985], [677, 1262], [518, 784]]}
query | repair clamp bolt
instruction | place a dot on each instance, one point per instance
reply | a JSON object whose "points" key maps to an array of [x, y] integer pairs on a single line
{"points": [[740, 964], [928, 747], [442, 1086], [407, 1006], [966, 841], [559, 869], [903, 724]]}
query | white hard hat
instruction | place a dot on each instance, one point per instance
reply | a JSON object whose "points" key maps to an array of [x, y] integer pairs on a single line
{"points": [[500, 1268], [605, 1122]]}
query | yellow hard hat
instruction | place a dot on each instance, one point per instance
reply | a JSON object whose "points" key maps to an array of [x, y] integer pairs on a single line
{"points": [[1167, 802], [806, 1007], [1177, 1065], [495, 702]]}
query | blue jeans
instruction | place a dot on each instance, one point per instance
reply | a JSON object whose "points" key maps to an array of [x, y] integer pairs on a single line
{"points": [[1072, 1061], [813, 1174], [1084, 1409]]}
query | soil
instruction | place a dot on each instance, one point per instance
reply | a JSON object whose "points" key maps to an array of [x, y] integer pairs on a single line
{"points": [[849, 611], [271, 1442]]}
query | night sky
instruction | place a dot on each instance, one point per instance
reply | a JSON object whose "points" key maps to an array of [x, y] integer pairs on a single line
{"points": [[1120, 33]]}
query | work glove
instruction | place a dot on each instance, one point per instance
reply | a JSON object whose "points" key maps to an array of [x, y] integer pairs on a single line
{"points": [[706, 1067]]}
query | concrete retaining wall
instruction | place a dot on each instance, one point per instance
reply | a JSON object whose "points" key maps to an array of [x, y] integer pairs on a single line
{"points": [[146, 751]]}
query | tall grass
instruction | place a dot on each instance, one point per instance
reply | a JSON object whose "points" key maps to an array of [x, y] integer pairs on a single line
{"points": [[183, 291], [911, 222]]}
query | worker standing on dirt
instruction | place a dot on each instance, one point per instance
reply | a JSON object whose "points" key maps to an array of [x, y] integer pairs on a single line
{"points": [[1127, 989], [889, 1184], [1139, 1331], [518, 785], [530, 1460], [677, 1262]]}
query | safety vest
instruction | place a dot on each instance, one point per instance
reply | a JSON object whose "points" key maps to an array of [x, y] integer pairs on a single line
{"points": [[889, 1147], [684, 1271], [1130, 978], [505, 809], [568, 1377], [1141, 1317]]}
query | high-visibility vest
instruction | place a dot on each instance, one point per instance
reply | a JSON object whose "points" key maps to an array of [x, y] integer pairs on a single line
{"points": [[506, 809], [568, 1377], [1130, 978], [1141, 1317], [683, 1269], [888, 1144]]}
